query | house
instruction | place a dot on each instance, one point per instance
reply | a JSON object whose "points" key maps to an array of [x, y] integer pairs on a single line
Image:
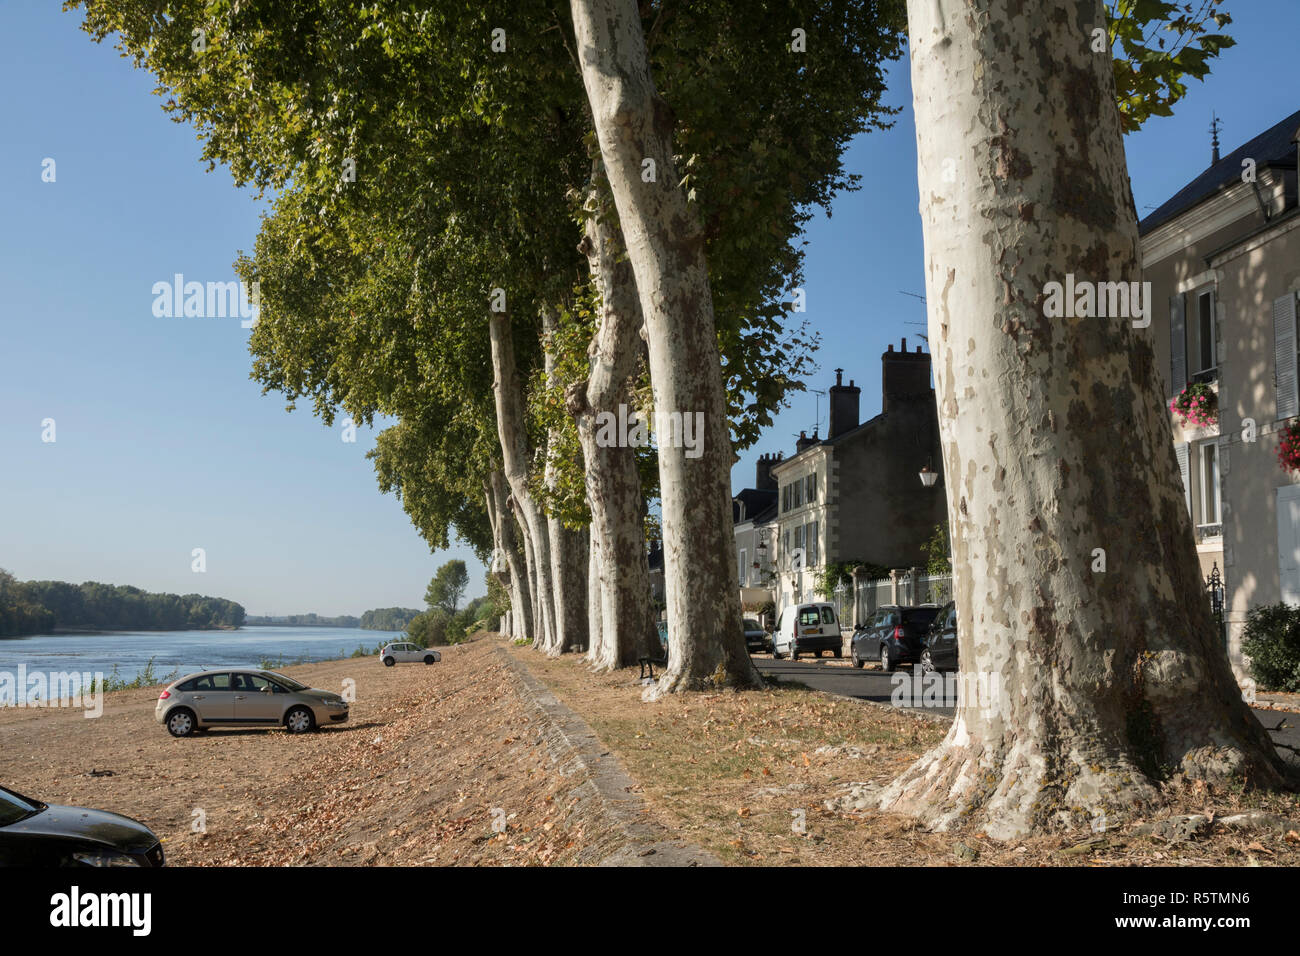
{"points": [[855, 496], [1223, 259], [753, 513]]}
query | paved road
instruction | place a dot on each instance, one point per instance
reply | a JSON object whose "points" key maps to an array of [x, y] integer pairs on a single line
{"points": [[836, 678]]}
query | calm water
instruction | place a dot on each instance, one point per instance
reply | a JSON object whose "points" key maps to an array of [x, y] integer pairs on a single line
{"points": [[182, 651]]}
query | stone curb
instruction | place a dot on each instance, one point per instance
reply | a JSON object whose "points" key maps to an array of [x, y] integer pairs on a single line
{"points": [[607, 794]]}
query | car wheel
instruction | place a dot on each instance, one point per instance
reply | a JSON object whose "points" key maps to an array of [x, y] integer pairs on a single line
{"points": [[927, 663], [857, 661], [389, 662], [794, 651], [299, 720], [428, 658], [776, 652], [180, 722], [886, 662], [838, 652]]}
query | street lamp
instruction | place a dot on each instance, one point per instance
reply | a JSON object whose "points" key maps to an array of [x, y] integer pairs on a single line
{"points": [[928, 475]]}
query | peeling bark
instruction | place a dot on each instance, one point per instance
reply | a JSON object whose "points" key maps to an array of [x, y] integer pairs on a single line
{"points": [[510, 429], [1056, 442], [621, 573], [665, 246]]}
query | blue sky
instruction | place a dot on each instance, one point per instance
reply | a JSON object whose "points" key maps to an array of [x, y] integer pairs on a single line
{"points": [[165, 445]]}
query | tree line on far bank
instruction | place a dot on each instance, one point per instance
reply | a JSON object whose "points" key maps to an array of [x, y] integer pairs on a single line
{"points": [[36, 607]]}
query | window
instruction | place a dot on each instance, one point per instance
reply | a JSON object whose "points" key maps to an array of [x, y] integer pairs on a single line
{"points": [[810, 488], [212, 682], [744, 562], [809, 617], [810, 539], [785, 498], [1208, 478], [828, 616], [1204, 333]]}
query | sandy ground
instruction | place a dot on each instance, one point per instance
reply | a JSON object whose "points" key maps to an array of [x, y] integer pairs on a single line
{"points": [[414, 776]]}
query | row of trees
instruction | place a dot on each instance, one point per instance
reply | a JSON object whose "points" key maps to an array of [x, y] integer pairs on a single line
{"points": [[311, 619], [501, 223], [34, 607], [388, 618]]}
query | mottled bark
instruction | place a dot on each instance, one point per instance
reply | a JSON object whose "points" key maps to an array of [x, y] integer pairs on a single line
{"points": [[1056, 443], [665, 246], [518, 621], [514, 455], [621, 574], [568, 545]]}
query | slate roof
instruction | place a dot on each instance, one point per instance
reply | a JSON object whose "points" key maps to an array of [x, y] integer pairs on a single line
{"points": [[1273, 147]]}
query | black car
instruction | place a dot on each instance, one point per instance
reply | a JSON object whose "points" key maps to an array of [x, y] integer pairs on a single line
{"points": [[892, 636], [38, 834], [756, 636], [939, 650]]}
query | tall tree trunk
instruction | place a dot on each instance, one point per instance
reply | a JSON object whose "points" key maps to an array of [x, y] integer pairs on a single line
{"points": [[1056, 443], [595, 620], [568, 546], [514, 456], [665, 245], [613, 483], [518, 623]]}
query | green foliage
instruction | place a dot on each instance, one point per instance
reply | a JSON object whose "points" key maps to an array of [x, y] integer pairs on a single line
{"points": [[363, 651], [146, 678], [1160, 44], [842, 572], [35, 606], [305, 620], [1272, 642], [938, 550], [448, 586], [388, 618]]}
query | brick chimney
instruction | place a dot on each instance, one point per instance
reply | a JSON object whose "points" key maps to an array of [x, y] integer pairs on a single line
{"points": [[805, 442], [844, 406], [763, 479], [904, 375]]}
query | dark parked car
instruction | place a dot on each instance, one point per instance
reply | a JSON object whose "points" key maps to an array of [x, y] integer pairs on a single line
{"points": [[38, 834], [892, 636], [939, 650], [756, 636]]}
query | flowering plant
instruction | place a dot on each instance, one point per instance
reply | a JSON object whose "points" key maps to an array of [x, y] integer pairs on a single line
{"points": [[1288, 446], [1196, 404]]}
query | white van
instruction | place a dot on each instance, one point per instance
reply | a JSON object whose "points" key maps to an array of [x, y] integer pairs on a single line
{"points": [[807, 628]]}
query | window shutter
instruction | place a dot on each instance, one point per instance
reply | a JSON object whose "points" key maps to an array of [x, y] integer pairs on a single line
{"points": [[1177, 343], [1288, 404], [1182, 450]]}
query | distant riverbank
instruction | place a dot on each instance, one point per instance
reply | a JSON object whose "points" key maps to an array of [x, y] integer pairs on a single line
{"points": [[126, 654]]}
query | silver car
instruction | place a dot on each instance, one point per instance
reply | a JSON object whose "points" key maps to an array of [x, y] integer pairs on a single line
{"points": [[404, 652], [245, 698]]}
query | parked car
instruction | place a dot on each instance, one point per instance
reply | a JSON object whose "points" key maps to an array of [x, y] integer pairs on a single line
{"points": [[756, 636], [33, 833], [226, 698], [807, 628], [404, 652], [892, 636], [939, 649]]}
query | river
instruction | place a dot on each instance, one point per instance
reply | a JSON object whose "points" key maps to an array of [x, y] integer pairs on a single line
{"points": [[181, 651]]}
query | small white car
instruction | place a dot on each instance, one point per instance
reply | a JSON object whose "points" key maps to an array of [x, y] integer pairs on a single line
{"points": [[406, 653], [810, 628]]}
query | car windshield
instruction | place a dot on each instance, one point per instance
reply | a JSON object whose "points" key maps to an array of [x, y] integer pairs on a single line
{"points": [[14, 808], [922, 615], [288, 682]]}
